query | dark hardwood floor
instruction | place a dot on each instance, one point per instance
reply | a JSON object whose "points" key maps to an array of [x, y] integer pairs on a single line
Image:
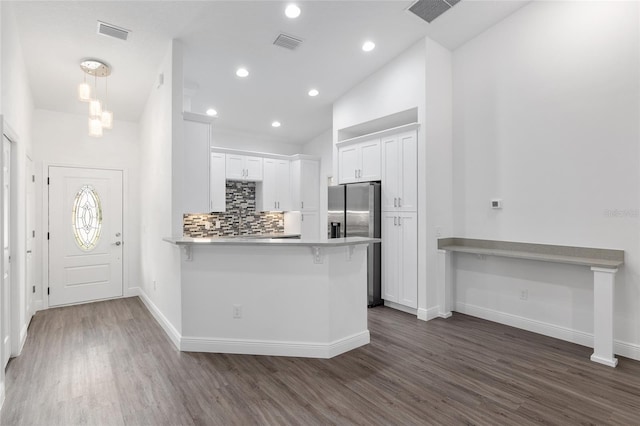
{"points": [[109, 363]]}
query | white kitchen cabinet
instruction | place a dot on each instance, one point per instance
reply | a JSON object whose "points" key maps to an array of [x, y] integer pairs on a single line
{"points": [[359, 162], [400, 258], [217, 183], [244, 167], [195, 174], [400, 172], [305, 185], [274, 192], [309, 225]]}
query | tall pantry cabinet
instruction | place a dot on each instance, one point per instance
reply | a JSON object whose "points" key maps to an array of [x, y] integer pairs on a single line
{"points": [[400, 218]]}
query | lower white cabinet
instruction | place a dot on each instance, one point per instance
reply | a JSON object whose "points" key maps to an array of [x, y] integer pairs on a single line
{"points": [[400, 258], [309, 225]]}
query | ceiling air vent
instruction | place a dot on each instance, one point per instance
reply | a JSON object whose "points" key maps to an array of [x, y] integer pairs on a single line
{"points": [[431, 9], [287, 42], [112, 31]]}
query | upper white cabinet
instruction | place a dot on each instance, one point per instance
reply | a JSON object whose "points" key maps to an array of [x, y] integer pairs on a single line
{"points": [[244, 167], [195, 177], [217, 183], [400, 172], [305, 185], [359, 162], [274, 192]]}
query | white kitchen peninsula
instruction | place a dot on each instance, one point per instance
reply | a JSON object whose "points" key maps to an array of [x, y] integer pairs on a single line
{"points": [[286, 297]]}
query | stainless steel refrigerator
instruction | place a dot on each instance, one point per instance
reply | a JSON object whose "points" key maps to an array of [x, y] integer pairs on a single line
{"points": [[355, 211]]}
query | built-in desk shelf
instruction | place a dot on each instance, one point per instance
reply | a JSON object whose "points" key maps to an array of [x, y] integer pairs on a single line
{"points": [[603, 262]]}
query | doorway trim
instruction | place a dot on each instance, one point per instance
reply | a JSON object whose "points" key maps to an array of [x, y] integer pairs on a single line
{"points": [[126, 227]]}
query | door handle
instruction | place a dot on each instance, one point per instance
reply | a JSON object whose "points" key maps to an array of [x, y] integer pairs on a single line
{"points": [[395, 202], [28, 251], [117, 243], [399, 202], [355, 173], [302, 204], [395, 221], [399, 222]]}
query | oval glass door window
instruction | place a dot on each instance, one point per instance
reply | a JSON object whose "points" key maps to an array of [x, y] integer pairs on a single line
{"points": [[87, 218]]}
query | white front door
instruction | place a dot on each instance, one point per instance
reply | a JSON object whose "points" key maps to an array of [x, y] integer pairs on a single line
{"points": [[6, 250], [85, 234]]}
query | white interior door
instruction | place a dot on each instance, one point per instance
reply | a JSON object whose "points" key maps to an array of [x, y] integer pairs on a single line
{"points": [[85, 234], [6, 250], [31, 236]]}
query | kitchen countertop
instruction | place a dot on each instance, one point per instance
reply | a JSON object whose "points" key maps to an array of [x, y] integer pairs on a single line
{"points": [[279, 241]]}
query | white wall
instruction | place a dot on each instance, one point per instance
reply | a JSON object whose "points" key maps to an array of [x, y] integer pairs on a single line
{"points": [[160, 261], [322, 146], [17, 109], [546, 118], [235, 139], [418, 78], [62, 139]]}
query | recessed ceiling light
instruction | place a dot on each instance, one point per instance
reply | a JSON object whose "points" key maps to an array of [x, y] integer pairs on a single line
{"points": [[313, 92], [212, 112], [368, 46], [242, 72], [292, 11], [276, 124]]}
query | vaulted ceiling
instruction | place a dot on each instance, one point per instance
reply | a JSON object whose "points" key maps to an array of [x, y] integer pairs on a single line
{"points": [[218, 37]]}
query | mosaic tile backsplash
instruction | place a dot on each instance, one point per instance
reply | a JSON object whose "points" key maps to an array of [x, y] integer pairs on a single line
{"points": [[240, 218]]}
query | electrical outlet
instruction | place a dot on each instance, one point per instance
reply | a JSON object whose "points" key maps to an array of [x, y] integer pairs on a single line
{"points": [[524, 294], [207, 225], [217, 224], [237, 311]]}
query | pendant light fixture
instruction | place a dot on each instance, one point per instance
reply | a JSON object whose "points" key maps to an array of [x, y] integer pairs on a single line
{"points": [[99, 117]]}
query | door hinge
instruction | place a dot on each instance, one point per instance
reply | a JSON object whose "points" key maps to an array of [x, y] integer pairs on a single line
{"points": [[48, 290]]}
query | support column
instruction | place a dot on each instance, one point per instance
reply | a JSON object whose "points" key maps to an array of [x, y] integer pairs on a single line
{"points": [[603, 281], [445, 284]]}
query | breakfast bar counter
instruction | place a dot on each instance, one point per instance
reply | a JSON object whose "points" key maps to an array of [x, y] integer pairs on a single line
{"points": [[273, 296]]}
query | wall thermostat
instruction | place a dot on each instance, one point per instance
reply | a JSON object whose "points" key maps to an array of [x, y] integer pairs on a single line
{"points": [[496, 204]]}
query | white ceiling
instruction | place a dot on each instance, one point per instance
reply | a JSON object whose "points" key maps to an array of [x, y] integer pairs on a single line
{"points": [[219, 36]]}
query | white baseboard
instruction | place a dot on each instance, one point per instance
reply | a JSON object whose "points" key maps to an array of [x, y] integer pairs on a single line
{"points": [[168, 328], [400, 307], [427, 314], [131, 292], [275, 348], [23, 337], [626, 349]]}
